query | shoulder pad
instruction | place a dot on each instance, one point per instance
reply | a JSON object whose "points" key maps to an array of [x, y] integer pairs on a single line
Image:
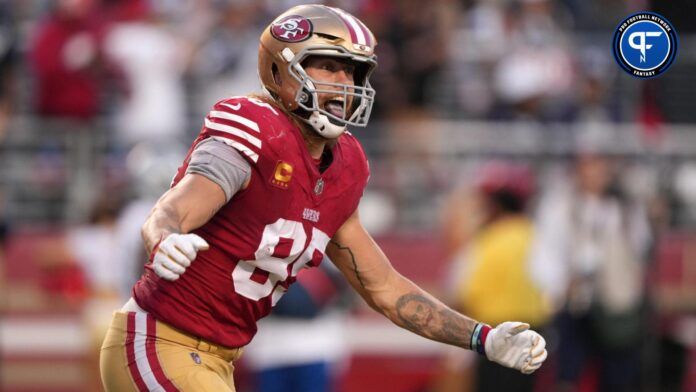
{"points": [[242, 123]]}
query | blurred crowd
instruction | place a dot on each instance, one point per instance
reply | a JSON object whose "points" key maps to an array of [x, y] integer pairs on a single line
{"points": [[526, 60], [562, 192]]}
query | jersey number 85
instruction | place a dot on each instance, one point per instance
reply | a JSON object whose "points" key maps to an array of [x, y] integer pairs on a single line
{"points": [[276, 259]]}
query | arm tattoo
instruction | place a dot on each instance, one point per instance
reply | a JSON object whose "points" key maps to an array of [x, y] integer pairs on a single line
{"points": [[421, 315], [352, 259]]}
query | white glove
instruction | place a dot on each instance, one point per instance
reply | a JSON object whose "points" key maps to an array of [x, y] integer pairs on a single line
{"points": [[175, 253], [514, 345]]}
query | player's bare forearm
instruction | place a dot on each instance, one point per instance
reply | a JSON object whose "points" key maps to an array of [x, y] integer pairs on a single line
{"points": [[162, 221], [370, 273], [421, 313], [186, 207], [403, 302]]}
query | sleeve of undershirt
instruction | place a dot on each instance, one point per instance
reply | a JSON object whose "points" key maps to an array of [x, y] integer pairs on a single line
{"points": [[221, 164]]}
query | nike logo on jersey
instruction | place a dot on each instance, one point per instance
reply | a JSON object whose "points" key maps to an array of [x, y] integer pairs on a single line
{"points": [[233, 107], [310, 215]]}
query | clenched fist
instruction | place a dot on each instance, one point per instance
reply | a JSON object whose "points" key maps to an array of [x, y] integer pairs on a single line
{"points": [[175, 253], [514, 345]]}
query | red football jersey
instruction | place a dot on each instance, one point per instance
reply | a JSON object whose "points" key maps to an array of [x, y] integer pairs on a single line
{"points": [[266, 234]]}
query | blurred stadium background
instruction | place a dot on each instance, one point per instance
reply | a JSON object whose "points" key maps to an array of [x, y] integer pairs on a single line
{"points": [[99, 100]]}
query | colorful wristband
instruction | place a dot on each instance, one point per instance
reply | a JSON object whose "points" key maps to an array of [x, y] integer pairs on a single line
{"points": [[478, 338]]}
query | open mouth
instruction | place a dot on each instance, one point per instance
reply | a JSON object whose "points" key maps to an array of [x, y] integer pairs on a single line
{"points": [[335, 107]]}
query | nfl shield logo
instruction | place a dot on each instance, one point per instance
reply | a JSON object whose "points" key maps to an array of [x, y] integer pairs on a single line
{"points": [[319, 187]]}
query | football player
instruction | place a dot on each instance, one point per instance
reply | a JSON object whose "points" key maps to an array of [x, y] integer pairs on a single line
{"points": [[271, 184]]}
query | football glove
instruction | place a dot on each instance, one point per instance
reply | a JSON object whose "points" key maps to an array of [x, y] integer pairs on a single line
{"points": [[175, 253], [514, 345]]}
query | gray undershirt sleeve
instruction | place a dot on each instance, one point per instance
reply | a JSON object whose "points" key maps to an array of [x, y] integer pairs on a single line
{"points": [[221, 164]]}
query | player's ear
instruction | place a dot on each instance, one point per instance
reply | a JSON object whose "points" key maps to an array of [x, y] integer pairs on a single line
{"points": [[276, 75]]}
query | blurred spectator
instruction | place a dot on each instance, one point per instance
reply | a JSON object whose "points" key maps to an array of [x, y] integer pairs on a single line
{"points": [[67, 59], [150, 169], [414, 39], [226, 59], [673, 289], [592, 16], [8, 60], [93, 247], [4, 228], [300, 347], [491, 280], [590, 247], [533, 79], [592, 105], [482, 28], [88, 251], [414, 142], [684, 193], [376, 15], [154, 108], [511, 60], [672, 280], [65, 56]]}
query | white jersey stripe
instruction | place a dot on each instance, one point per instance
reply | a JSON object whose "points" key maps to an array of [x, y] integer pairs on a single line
{"points": [[141, 354], [354, 24], [239, 147], [232, 130], [237, 118]]}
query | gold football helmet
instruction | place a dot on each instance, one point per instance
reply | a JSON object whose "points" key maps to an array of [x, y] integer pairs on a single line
{"points": [[317, 30]]}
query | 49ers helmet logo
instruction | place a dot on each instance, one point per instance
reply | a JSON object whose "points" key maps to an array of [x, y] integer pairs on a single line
{"points": [[292, 28]]}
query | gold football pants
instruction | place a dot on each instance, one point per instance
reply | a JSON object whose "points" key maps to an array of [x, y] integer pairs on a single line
{"points": [[140, 354]]}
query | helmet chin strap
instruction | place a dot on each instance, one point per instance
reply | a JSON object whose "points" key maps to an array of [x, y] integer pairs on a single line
{"points": [[321, 123], [323, 126]]}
